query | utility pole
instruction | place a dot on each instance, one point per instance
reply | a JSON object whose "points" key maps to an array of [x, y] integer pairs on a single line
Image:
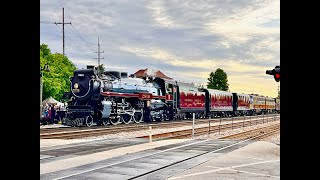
{"points": [[63, 23], [44, 68], [99, 56]]}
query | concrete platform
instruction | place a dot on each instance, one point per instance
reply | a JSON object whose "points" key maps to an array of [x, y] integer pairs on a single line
{"points": [[167, 159], [65, 152], [259, 160]]}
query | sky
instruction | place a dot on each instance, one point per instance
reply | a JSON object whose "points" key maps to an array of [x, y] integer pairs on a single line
{"points": [[184, 39]]}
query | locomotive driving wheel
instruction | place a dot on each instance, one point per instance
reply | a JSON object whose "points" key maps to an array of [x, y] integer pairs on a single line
{"points": [[161, 117], [89, 121], [126, 118], [114, 120], [105, 121], [138, 116], [165, 117]]}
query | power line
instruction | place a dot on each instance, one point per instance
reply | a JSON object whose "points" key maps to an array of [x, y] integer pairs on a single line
{"points": [[79, 47], [65, 37], [63, 23], [78, 34], [75, 30], [80, 37]]}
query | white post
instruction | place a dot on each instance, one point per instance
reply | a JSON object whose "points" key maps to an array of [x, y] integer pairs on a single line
{"points": [[193, 125], [150, 135]]}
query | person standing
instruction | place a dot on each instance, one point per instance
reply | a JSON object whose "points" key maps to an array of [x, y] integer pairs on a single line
{"points": [[51, 114]]}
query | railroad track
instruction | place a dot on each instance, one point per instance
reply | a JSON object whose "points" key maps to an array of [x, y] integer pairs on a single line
{"points": [[203, 130], [72, 133], [258, 133], [59, 129], [87, 132], [153, 124]]}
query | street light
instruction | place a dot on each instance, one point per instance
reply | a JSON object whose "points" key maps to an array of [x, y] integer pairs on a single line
{"points": [[44, 68]]}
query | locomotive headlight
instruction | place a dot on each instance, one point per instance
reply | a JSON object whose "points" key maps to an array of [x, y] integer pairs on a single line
{"points": [[76, 85], [75, 88]]}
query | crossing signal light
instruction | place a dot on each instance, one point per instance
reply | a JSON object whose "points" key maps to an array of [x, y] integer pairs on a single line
{"points": [[275, 72]]}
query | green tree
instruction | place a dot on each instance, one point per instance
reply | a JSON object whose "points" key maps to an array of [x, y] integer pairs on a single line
{"points": [[101, 68], [56, 81], [218, 80]]}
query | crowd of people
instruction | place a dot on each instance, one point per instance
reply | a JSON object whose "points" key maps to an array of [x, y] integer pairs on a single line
{"points": [[50, 115]]}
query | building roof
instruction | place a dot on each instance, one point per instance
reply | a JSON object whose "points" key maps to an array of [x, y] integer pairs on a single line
{"points": [[146, 72], [140, 73]]}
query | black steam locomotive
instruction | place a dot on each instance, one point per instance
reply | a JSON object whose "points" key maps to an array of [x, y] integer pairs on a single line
{"points": [[112, 98]]}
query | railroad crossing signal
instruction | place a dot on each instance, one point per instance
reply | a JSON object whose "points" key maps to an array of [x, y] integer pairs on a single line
{"points": [[275, 72]]}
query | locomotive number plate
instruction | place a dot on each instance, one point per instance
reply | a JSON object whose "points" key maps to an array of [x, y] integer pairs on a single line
{"points": [[75, 90], [145, 96]]}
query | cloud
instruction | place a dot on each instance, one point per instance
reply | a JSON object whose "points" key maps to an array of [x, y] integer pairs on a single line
{"points": [[169, 58], [185, 39], [241, 26], [159, 14]]}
